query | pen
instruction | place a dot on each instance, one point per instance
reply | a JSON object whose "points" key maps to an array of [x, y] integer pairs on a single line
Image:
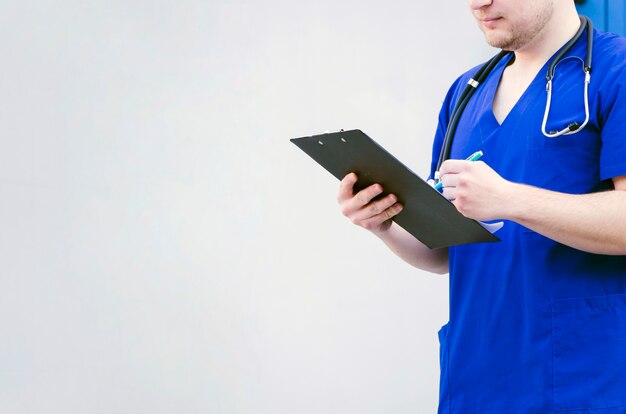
{"points": [[474, 157]]}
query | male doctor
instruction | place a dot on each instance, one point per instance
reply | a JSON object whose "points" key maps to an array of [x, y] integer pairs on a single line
{"points": [[538, 320]]}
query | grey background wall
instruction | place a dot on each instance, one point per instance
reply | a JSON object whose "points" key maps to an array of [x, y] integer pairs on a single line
{"points": [[165, 249]]}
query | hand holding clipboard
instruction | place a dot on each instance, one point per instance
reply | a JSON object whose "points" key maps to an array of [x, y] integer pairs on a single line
{"points": [[426, 214]]}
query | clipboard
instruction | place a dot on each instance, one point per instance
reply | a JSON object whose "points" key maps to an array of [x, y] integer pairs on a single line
{"points": [[427, 214]]}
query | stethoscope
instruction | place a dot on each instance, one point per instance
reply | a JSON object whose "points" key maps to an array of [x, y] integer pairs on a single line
{"points": [[486, 69]]}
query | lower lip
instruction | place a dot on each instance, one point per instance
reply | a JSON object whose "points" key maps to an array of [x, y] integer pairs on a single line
{"points": [[490, 24]]}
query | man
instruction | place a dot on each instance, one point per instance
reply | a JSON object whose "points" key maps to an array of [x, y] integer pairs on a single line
{"points": [[538, 320]]}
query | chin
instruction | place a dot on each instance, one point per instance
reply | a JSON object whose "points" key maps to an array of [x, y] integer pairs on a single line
{"points": [[498, 41]]}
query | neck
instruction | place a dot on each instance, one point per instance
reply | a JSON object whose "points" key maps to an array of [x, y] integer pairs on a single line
{"points": [[558, 31]]}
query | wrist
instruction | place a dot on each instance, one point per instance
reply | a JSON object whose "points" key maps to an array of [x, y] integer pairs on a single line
{"points": [[384, 231], [513, 201]]}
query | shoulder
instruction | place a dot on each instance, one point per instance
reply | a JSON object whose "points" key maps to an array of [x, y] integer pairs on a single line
{"points": [[608, 71], [609, 50], [608, 42]]}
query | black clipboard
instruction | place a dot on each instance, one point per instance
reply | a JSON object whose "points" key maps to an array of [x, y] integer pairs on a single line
{"points": [[427, 215]]}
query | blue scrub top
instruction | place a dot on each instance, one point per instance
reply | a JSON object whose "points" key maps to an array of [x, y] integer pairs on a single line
{"points": [[536, 326]]}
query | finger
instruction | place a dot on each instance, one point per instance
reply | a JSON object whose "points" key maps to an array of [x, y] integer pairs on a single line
{"points": [[364, 196], [454, 166], [377, 220], [449, 193], [450, 180], [346, 187], [376, 207]]}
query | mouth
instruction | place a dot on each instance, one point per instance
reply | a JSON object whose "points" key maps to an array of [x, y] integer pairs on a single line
{"points": [[489, 19], [489, 22]]}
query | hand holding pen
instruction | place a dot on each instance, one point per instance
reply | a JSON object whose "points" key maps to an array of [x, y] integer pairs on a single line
{"points": [[477, 190]]}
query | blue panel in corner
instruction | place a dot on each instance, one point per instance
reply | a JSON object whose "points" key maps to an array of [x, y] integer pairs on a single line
{"points": [[596, 10], [607, 15], [616, 18]]}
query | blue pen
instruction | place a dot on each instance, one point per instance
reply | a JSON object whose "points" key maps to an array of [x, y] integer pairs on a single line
{"points": [[474, 157]]}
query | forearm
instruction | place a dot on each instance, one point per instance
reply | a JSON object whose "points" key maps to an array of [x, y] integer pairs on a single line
{"points": [[594, 223], [414, 252]]}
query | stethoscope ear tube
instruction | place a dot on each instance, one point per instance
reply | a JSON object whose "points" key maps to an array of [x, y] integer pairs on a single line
{"points": [[574, 127]]}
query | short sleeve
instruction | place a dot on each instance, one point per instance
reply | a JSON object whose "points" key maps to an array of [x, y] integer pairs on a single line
{"points": [[613, 116]]}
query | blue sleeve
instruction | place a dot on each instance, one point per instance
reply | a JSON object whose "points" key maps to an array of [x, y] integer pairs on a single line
{"points": [[613, 152]]}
